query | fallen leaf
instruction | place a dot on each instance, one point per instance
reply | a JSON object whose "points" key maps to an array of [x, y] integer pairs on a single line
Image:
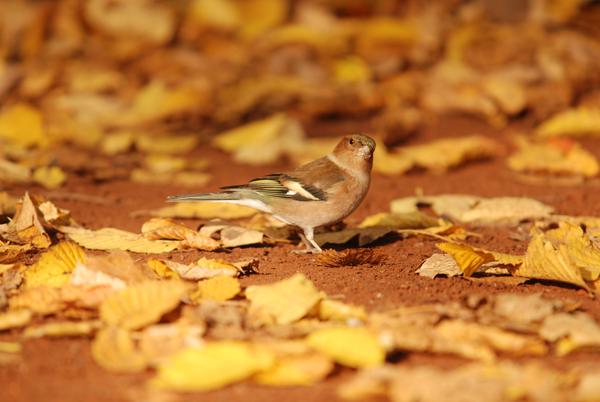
{"points": [[159, 342], [202, 210], [578, 122], [571, 331], [333, 310], [472, 209], [161, 228], [115, 239], [468, 259], [187, 178], [170, 145], [62, 329], [563, 254], [272, 303], [262, 141], [114, 350], [203, 269], [23, 125], [26, 227], [409, 220], [340, 344], [221, 363], [51, 177], [293, 370], [141, 304], [439, 264], [555, 158], [232, 235], [55, 266], [116, 270], [14, 319], [218, 288]]}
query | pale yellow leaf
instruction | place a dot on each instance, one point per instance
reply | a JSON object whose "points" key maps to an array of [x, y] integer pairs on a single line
{"points": [[111, 239]]}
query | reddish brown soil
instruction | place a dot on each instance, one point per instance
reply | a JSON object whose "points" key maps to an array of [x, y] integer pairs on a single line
{"points": [[62, 370]]}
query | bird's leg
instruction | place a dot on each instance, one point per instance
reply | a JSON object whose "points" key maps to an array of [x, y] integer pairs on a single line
{"points": [[307, 238]]}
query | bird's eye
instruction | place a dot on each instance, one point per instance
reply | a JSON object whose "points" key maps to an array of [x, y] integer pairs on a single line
{"points": [[351, 141]]}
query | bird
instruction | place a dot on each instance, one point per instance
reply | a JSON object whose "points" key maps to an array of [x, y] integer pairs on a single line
{"points": [[319, 193]]}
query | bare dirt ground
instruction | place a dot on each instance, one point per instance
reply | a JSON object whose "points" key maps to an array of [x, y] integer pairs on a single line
{"points": [[63, 370]]}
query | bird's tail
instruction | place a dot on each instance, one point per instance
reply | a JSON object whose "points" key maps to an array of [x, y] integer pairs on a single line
{"points": [[224, 196]]}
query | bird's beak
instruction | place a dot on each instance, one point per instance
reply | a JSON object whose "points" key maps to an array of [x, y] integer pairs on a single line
{"points": [[365, 152]]}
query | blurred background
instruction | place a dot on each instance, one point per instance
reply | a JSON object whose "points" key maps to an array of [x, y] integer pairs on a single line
{"points": [[161, 77]]}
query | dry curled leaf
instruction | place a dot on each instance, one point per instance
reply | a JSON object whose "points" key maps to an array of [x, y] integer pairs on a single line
{"points": [[115, 239], [350, 257], [218, 288]]}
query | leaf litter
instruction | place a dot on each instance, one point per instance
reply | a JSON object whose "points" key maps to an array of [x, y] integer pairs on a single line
{"points": [[402, 69]]}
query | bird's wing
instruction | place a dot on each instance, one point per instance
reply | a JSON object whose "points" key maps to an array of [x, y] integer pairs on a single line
{"points": [[310, 182]]}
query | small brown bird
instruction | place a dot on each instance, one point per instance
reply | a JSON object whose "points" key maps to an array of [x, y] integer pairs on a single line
{"points": [[322, 192]]}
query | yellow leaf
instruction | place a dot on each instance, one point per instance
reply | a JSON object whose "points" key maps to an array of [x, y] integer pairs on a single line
{"points": [[23, 125], [468, 208], [220, 14], [443, 154], [170, 145], [115, 239], [351, 347], [219, 288], [578, 122], [564, 254], [113, 349], [203, 210], [51, 177], [554, 157], [296, 370], [212, 366], [117, 143], [142, 304], [161, 269], [351, 70], [116, 270], [283, 302], [62, 329], [262, 141], [189, 179], [468, 258], [155, 101], [259, 16], [14, 319], [408, 220], [55, 266]]}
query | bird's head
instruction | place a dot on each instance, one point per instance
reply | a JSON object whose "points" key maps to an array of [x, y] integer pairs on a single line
{"points": [[356, 146], [355, 151]]}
